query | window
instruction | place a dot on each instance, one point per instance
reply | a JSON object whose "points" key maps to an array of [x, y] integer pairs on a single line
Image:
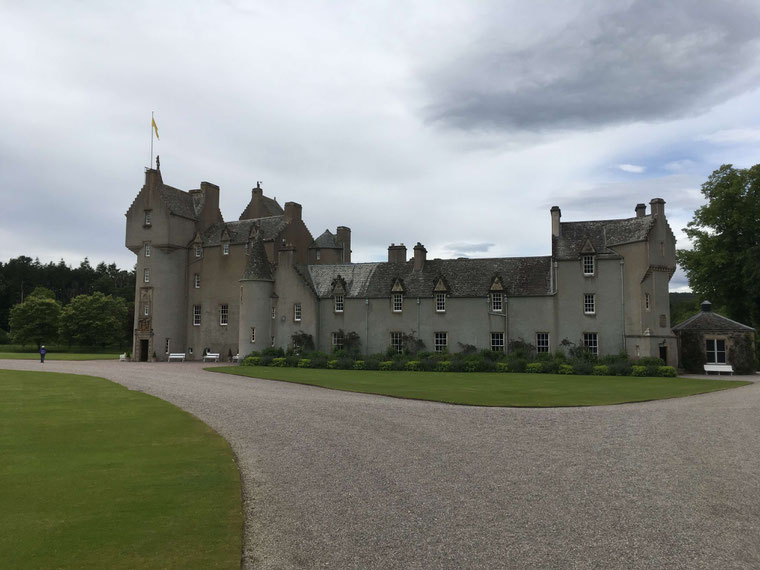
{"points": [[496, 302], [715, 350], [272, 342], [397, 341], [196, 315], [224, 314], [246, 249], [337, 340], [297, 312], [146, 309], [589, 304], [225, 248], [542, 342], [318, 255], [397, 300], [253, 334], [338, 303], [588, 264], [146, 275], [274, 312], [441, 341], [663, 321], [197, 280], [440, 302], [198, 250], [497, 341], [189, 349], [166, 346], [147, 250], [591, 342], [646, 301], [147, 217]]}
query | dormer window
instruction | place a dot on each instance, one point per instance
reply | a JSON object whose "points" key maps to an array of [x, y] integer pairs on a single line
{"points": [[338, 290], [147, 217], [497, 302], [398, 302], [338, 299], [440, 302], [197, 281], [588, 264], [198, 250], [225, 248], [147, 250]]}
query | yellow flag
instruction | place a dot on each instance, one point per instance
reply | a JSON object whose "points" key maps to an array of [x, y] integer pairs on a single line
{"points": [[155, 127]]}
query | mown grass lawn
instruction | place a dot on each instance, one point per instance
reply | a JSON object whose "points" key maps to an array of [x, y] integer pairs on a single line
{"points": [[56, 356], [97, 476], [491, 389]]}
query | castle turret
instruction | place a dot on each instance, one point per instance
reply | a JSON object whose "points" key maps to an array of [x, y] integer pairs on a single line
{"points": [[256, 288]]}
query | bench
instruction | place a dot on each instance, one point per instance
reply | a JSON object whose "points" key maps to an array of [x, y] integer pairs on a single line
{"points": [[123, 357], [236, 358], [211, 356], [719, 368], [177, 356]]}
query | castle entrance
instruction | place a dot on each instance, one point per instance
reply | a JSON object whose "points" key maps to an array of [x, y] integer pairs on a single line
{"points": [[144, 350]]}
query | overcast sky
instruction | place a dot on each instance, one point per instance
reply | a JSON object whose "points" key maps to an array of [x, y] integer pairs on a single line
{"points": [[456, 124]]}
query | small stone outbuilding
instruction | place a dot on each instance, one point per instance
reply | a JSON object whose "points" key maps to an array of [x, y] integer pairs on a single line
{"points": [[710, 338]]}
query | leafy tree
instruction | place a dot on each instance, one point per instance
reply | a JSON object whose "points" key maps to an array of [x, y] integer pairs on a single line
{"points": [[36, 319], [724, 264], [92, 320]]}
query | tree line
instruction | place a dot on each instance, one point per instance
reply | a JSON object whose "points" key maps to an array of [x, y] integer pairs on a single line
{"points": [[66, 294]]}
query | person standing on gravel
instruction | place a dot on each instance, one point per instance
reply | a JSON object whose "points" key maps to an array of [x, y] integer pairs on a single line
{"points": [[43, 352]]}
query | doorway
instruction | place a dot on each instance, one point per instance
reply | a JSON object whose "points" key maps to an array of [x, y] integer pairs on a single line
{"points": [[144, 350], [664, 354]]}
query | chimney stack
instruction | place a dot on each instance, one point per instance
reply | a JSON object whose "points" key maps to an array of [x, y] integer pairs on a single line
{"points": [[641, 210], [657, 206], [556, 215], [343, 237], [292, 211], [420, 254], [397, 253]]}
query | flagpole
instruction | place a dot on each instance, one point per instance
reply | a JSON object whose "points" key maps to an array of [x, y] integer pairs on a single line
{"points": [[151, 139]]}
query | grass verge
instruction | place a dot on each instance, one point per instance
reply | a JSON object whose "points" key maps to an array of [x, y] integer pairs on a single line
{"points": [[492, 389], [97, 476], [57, 356]]}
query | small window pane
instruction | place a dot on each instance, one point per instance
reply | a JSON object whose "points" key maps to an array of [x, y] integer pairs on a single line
{"points": [[196, 315], [297, 312], [224, 315], [146, 275], [496, 302], [591, 342]]}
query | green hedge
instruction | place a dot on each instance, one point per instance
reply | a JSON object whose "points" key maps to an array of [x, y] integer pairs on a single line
{"points": [[467, 361]]}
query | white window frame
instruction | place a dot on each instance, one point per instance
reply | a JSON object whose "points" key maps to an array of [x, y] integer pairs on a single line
{"points": [[589, 264], [647, 302], [166, 346], [146, 275], [297, 312], [198, 250], [591, 342], [497, 341], [497, 302], [224, 314], [319, 255], [542, 346], [147, 250], [589, 304], [440, 302], [197, 280], [716, 353], [397, 302], [274, 313], [440, 341], [338, 303], [397, 341], [196, 315], [338, 341], [253, 334], [226, 248], [146, 309], [147, 217]]}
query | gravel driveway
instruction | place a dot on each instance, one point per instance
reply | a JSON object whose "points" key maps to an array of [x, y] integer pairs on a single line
{"points": [[339, 480]]}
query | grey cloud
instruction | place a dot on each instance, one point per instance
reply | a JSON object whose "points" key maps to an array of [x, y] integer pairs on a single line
{"points": [[643, 61]]}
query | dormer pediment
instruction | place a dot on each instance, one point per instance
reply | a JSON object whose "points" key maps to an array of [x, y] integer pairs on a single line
{"points": [[339, 286], [398, 286], [496, 284], [440, 286], [588, 247], [225, 234]]}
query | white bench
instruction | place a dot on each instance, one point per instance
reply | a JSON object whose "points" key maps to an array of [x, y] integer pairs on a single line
{"points": [[719, 368], [211, 356], [236, 358], [123, 357], [177, 356]]}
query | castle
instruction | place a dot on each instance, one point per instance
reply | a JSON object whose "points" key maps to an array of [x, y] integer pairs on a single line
{"points": [[239, 286]]}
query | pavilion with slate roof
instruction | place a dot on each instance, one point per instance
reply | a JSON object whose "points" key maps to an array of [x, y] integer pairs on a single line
{"points": [[205, 284]]}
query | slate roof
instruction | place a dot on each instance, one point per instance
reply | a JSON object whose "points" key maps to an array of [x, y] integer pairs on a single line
{"points": [[179, 203], [257, 267], [326, 240], [521, 276], [602, 234], [269, 207], [709, 321], [240, 230]]}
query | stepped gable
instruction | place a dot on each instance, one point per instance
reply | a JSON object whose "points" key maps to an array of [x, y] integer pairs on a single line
{"points": [[239, 232], [325, 241], [521, 276], [257, 268], [178, 202], [602, 234]]}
